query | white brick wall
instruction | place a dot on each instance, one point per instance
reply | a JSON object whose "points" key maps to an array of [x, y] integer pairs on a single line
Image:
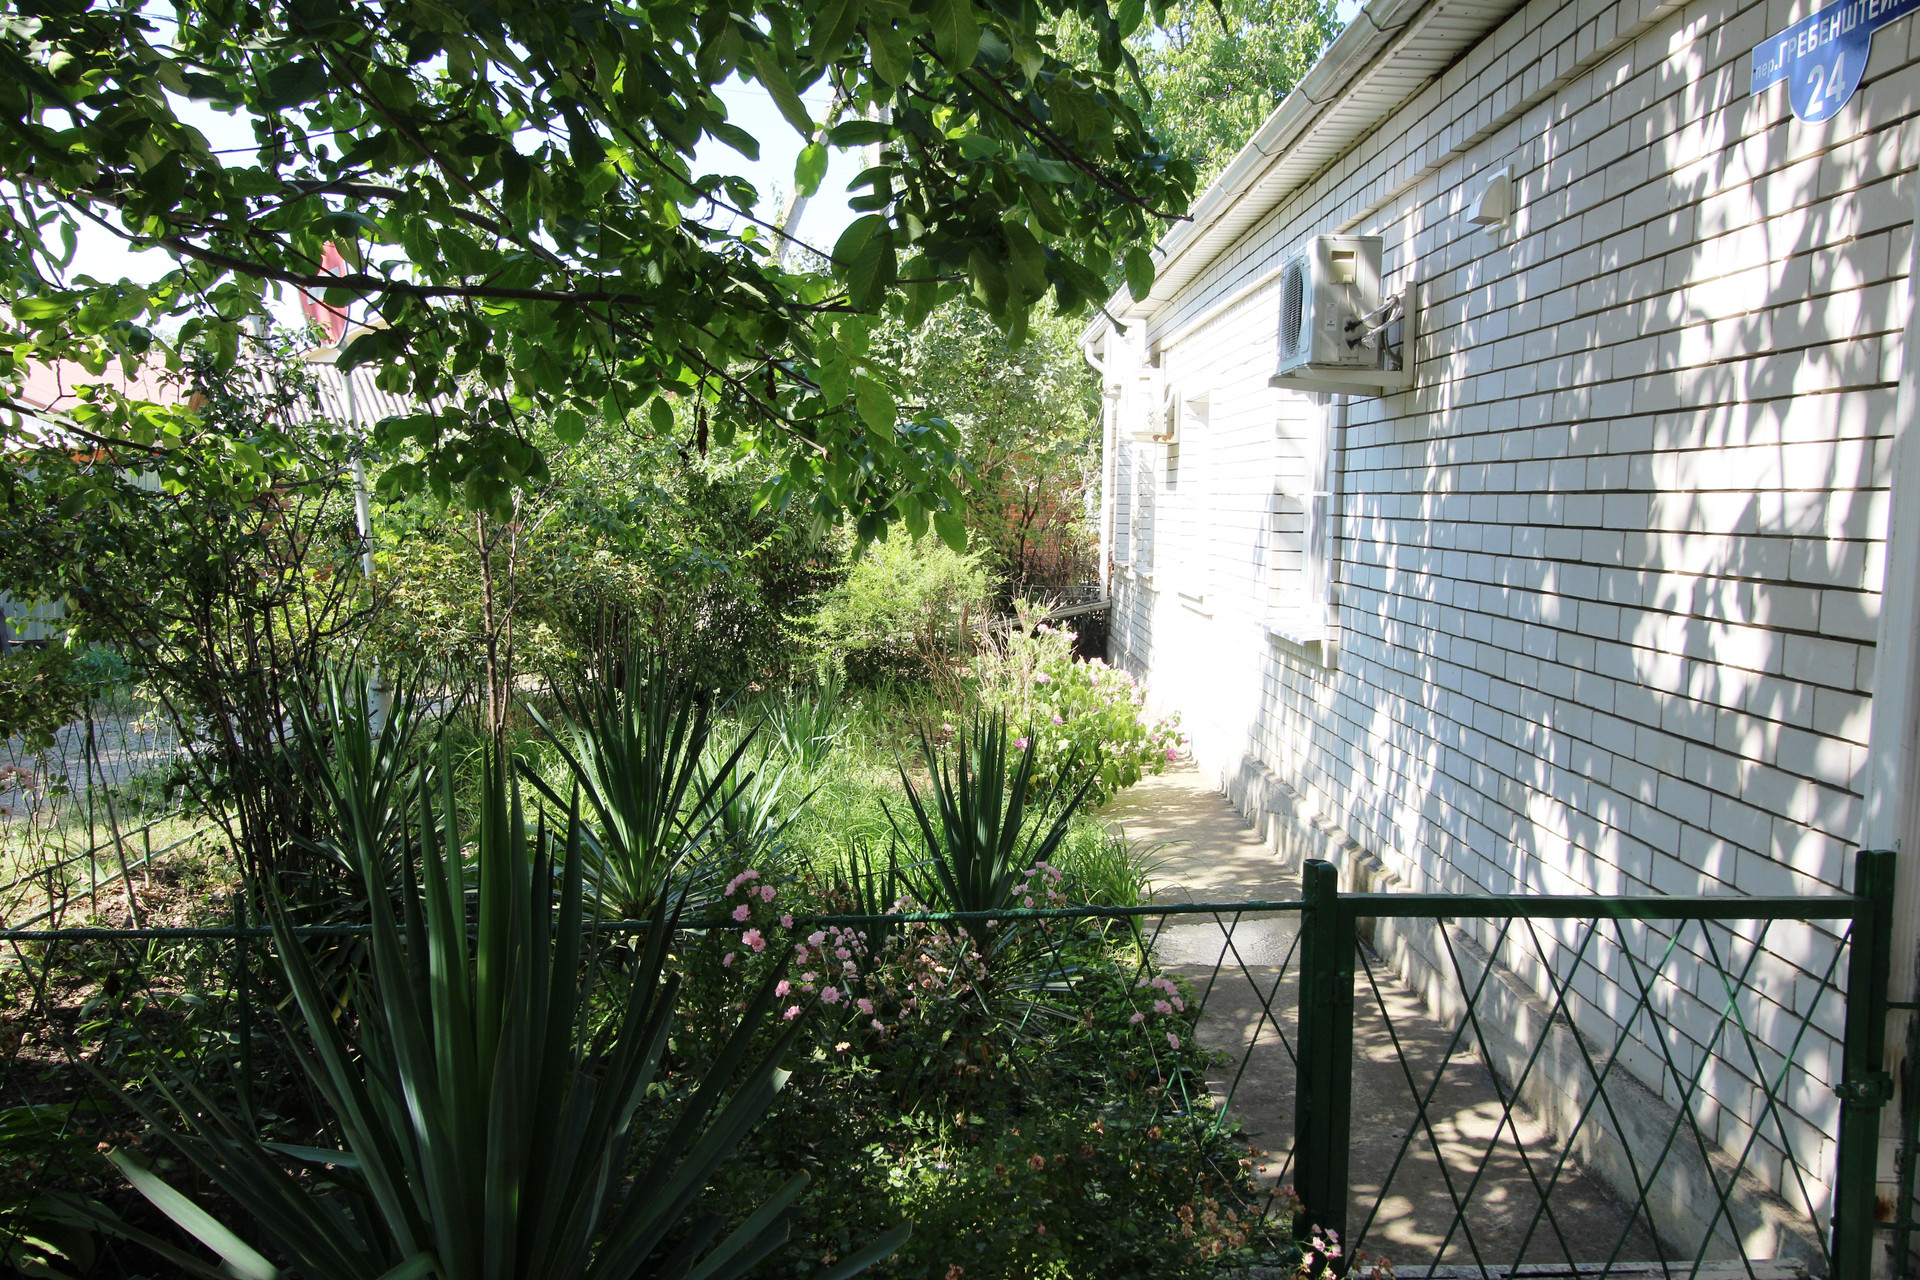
{"points": [[1607, 577]]}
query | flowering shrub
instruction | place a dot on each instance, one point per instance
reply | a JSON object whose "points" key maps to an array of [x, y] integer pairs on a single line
{"points": [[1023, 1139], [1088, 719]]}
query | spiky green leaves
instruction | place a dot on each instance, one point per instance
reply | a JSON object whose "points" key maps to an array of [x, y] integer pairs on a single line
{"points": [[485, 1101]]}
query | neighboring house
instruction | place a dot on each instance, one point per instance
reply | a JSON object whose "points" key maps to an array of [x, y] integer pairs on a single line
{"points": [[1596, 604], [50, 390]]}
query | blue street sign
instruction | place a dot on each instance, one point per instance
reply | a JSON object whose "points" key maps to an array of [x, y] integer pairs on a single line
{"points": [[1822, 56]]}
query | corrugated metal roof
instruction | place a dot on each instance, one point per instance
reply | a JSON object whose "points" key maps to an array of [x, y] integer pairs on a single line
{"points": [[1391, 51]]}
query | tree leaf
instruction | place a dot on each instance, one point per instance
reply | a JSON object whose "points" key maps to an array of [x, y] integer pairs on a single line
{"points": [[292, 83], [921, 296], [847, 248], [891, 53], [952, 530], [989, 282], [875, 403], [1053, 171], [956, 33], [737, 138], [569, 426], [873, 270], [1139, 268], [767, 69], [660, 414], [835, 374], [809, 168], [1029, 260], [832, 24], [858, 133]]}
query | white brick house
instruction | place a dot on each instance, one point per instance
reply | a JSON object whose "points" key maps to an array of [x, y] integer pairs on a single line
{"points": [[1597, 604]]}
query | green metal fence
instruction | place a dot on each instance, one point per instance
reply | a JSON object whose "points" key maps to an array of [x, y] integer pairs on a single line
{"points": [[1645, 934], [1445, 1084]]}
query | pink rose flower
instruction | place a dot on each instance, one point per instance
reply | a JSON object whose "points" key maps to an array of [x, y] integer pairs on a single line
{"points": [[766, 893], [1137, 1018], [817, 937], [786, 921], [753, 939], [783, 988], [742, 911], [864, 1005], [727, 963], [793, 1011], [1020, 744], [1161, 1006], [830, 995], [1173, 1041]]}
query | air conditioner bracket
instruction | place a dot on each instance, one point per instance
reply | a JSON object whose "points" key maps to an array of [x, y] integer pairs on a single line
{"points": [[1390, 331]]}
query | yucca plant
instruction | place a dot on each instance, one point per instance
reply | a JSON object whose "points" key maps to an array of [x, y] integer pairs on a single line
{"points": [[747, 823], [482, 1086], [367, 762], [636, 749], [987, 826], [805, 724], [863, 888]]}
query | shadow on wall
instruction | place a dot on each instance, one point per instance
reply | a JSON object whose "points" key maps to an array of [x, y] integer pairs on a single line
{"points": [[1541, 704]]}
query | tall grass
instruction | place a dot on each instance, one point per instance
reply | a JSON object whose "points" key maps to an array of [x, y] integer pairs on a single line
{"points": [[1105, 868]]}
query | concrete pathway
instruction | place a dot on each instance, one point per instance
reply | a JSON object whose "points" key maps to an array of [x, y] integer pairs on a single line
{"points": [[1246, 970]]}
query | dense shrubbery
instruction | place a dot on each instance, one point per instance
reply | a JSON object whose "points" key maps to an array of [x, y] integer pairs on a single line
{"points": [[1088, 720], [1064, 1137], [1029, 1093], [1015, 1089], [905, 607]]}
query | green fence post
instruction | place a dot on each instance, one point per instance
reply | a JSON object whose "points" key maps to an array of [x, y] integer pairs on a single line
{"points": [[1323, 1101], [1865, 1086]]}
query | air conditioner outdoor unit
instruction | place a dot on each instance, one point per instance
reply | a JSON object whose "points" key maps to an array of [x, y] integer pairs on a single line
{"points": [[1337, 333]]}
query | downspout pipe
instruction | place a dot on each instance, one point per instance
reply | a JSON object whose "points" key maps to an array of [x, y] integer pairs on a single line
{"points": [[1103, 552]]}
